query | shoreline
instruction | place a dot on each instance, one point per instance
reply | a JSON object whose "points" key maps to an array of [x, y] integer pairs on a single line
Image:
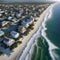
{"points": [[48, 16], [36, 32], [22, 46], [51, 45]]}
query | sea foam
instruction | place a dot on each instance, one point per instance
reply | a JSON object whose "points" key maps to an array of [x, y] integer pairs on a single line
{"points": [[51, 45]]}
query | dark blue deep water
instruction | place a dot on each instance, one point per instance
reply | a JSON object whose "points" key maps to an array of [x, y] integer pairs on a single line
{"points": [[53, 30]]}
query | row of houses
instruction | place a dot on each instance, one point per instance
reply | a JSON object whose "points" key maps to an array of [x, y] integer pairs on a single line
{"points": [[21, 29], [18, 10], [22, 25], [6, 40]]}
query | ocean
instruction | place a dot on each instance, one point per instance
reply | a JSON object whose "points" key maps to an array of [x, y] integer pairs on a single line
{"points": [[51, 31]]}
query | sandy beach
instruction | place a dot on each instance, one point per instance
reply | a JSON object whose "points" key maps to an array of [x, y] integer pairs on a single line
{"points": [[17, 52], [26, 55]]}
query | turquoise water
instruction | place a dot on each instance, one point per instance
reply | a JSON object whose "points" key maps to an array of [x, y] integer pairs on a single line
{"points": [[53, 30]]}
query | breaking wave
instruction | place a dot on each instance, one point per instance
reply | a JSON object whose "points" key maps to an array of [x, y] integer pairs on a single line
{"points": [[51, 45]]}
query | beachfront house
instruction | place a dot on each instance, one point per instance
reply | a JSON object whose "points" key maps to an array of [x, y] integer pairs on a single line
{"points": [[25, 24], [31, 20], [27, 21], [10, 18], [21, 29], [8, 41], [1, 33], [13, 14], [14, 34]]}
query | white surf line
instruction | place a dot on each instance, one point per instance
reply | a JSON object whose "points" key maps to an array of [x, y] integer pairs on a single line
{"points": [[51, 45], [28, 55], [48, 15], [25, 51], [29, 45], [38, 34]]}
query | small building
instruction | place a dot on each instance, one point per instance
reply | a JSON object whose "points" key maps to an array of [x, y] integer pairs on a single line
{"points": [[4, 23], [35, 14], [8, 41], [2, 12], [0, 15], [9, 18], [21, 29], [13, 14], [25, 24], [14, 34], [27, 21], [42, 9], [6, 13], [14, 20], [30, 20], [1, 33], [33, 8], [39, 10], [18, 15]]}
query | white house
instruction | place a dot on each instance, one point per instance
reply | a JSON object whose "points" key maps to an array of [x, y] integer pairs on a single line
{"points": [[14, 34]]}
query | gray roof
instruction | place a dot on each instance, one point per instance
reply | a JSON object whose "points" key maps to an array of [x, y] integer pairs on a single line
{"points": [[9, 41], [1, 39]]}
